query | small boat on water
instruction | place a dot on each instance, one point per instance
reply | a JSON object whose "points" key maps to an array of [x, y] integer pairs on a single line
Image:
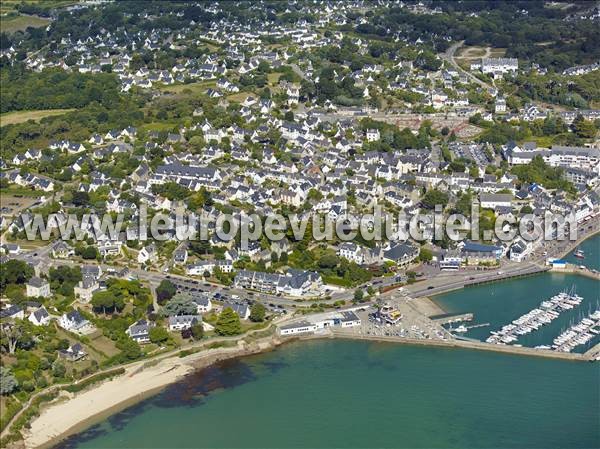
{"points": [[579, 254]]}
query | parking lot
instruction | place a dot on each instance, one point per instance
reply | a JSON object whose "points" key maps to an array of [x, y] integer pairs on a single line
{"points": [[224, 294], [412, 324]]}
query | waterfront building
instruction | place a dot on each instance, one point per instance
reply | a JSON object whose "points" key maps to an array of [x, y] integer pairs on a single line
{"points": [[475, 253]]}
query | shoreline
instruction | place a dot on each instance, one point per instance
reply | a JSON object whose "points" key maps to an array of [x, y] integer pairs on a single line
{"points": [[58, 421], [59, 412]]}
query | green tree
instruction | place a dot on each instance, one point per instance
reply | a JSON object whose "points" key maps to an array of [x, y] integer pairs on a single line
{"points": [[8, 382], [58, 369], [165, 291], [257, 312], [180, 304], [197, 331], [358, 295], [585, 129], [328, 261], [107, 301], [473, 171], [158, 334], [89, 253], [228, 323], [434, 197], [425, 255], [129, 348], [14, 272], [81, 199]]}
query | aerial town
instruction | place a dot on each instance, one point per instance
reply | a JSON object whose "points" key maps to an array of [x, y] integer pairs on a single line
{"points": [[289, 108]]}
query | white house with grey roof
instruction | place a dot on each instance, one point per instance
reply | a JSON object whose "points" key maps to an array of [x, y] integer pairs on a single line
{"points": [[39, 317], [494, 200], [140, 331], [85, 288], [74, 322], [294, 283], [242, 310], [147, 254], [182, 322], [38, 287], [401, 253]]}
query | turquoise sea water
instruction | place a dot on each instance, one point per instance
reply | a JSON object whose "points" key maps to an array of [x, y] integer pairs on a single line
{"points": [[501, 302], [591, 249], [344, 394]]}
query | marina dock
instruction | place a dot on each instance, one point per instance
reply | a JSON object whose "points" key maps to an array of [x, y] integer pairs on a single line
{"points": [[452, 318]]}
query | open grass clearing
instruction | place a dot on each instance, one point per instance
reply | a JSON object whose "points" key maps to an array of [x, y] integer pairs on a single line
{"points": [[158, 126], [104, 345], [273, 78], [198, 87], [13, 205], [12, 118], [19, 192], [21, 22], [472, 52], [240, 97], [468, 55]]}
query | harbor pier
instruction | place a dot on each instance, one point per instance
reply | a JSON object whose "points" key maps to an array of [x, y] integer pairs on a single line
{"points": [[452, 318], [469, 344]]}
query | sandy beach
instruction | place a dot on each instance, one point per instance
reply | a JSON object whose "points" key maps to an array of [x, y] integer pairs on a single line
{"points": [[77, 412], [57, 419]]}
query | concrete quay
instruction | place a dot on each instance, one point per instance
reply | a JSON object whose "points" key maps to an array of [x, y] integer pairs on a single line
{"points": [[453, 343], [574, 269]]}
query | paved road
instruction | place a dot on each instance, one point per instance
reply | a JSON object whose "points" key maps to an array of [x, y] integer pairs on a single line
{"points": [[299, 72], [448, 56], [434, 281]]}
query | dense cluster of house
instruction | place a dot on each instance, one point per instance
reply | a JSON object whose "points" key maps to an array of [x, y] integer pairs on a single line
{"points": [[316, 164], [581, 164], [319, 160]]}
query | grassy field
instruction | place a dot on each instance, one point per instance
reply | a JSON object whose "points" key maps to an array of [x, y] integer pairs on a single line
{"points": [[158, 126], [273, 78], [239, 97], [19, 192], [21, 22], [12, 118], [14, 204], [105, 345], [9, 6], [197, 88]]}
